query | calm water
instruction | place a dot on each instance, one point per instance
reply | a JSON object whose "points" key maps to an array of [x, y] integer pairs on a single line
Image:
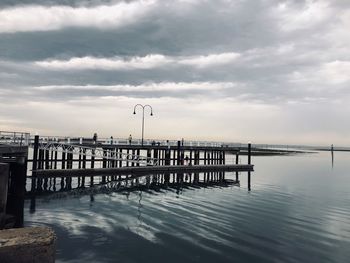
{"points": [[297, 211]]}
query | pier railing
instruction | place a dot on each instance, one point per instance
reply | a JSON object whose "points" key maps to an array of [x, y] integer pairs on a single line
{"points": [[101, 153], [124, 141], [14, 138]]}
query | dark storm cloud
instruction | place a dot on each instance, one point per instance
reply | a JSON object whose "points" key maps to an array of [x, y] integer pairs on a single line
{"points": [[168, 29], [73, 3]]}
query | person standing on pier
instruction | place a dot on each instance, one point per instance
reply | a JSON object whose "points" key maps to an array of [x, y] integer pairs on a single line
{"points": [[95, 138], [187, 160], [168, 144], [130, 139]]}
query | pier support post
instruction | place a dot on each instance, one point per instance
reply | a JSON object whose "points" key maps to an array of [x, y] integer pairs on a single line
{"points": [[178, 153], [35, 154], [63, 164], [47, 159], [167, 157], [4, 177], [196, 157], [55, 162], [120, 156], [84, 158], [127, 158], [248, 181], [79, 163], [104, 160], [237, 160], [182, 157], [249, 152], [92, 163], [17, 189]]}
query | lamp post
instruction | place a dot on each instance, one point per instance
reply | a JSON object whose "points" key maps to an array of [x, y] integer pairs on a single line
{"points": [[143, 116]]}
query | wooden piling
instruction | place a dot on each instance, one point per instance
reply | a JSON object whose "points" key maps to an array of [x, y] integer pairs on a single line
{"points": [[55, 161], [127, 158], [35, 154], [155, 155], [133, 155], [237, 161], [4, 177], [92, 159], [80, 158], [249, 181], [16, 190], [249, 153], [47, 159], [63, 162], [167, 157], [84, 159], [104, 162]]}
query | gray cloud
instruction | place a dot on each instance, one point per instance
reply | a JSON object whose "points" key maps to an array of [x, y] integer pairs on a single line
{"points": [[294, 58]]}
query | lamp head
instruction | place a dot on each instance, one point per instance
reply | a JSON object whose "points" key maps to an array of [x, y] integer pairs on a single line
{"points": [[151, 113], [134, 112]]}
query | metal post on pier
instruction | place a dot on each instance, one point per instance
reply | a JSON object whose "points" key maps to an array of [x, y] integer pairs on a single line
{"points": [[178, 153]]}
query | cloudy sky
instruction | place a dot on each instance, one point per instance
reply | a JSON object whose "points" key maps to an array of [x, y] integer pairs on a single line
{"points": [[265, 71]]}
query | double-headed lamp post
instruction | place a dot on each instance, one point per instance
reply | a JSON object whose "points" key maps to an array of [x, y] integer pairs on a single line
{"points": [[143, 116]]}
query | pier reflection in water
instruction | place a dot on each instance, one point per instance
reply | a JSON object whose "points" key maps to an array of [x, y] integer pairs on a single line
{"points": [[297, 204], [156, 183]]}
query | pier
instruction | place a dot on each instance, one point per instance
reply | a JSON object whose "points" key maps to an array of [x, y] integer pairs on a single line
{"points": [[32, 165]]}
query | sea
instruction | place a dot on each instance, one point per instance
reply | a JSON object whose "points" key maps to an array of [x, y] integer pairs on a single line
{"points": [[297, 210]]}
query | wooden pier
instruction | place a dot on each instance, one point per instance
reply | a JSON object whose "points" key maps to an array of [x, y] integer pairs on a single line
{"points": [[13, 171], [81, 164], [62, 156]]}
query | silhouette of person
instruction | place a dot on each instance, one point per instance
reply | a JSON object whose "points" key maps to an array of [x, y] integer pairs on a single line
{"points": [[95, 138], [187, 160], [168, 144]]}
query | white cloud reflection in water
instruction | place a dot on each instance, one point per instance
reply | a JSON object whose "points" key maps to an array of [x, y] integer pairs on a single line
{"points": [[297, 203]]}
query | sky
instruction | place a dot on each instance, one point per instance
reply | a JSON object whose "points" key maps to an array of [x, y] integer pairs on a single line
{"points": [[264, 71]]}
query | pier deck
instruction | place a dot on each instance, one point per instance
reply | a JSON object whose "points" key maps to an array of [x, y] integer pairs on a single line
{"points": [[142, 170]]}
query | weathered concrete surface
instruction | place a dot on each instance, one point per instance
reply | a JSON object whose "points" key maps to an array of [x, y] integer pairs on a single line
{"points": [[27, 245]]}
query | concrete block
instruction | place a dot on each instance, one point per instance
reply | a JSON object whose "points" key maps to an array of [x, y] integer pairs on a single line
{"points": [[27, 245]]}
